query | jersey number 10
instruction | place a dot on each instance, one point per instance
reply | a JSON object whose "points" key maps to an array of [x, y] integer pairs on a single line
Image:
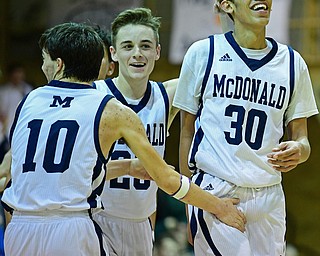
{"points": [[71, 127]]}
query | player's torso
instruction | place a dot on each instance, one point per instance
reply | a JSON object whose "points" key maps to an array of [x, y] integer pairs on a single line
{"points": [[128, 197], [63, 123], [243, 113]]}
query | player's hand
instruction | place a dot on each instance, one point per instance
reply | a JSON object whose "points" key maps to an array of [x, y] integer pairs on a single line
{"points": [[230, 215], [286, 156], [138, 171]]}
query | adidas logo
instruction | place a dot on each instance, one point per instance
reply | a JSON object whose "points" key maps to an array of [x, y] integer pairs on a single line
{"points": [[225, 57], [209, 187]]}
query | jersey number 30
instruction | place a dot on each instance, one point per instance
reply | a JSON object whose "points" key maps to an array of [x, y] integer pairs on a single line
{"points": [[255, 116]]}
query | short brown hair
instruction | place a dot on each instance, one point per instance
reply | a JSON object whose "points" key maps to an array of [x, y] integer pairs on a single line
{"points": [[136, 16]]}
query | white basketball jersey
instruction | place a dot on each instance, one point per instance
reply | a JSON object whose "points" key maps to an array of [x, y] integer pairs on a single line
{"points": [[242, 106], [57, 160], [128, 197]]}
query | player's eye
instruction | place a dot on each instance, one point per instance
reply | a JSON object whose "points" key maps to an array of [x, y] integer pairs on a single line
{"points": [[145, 46], [127, 46]]}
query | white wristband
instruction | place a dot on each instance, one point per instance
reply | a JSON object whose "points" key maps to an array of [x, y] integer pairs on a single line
{"points": [[184, 188]]}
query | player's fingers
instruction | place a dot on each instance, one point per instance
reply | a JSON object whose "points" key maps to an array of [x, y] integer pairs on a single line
{"points": [[289, 154], [243, 217], [240, 225], [290, 160], [235, 201], [285, 168]]}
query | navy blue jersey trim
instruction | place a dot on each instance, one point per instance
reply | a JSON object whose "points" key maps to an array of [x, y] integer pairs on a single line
{"points": [[67, 85], [99, 233], [292, 72], [253, 64], [16, 116], [199, 134], [291, 82], [96, 127], [202, 222], [206, 75], [166, 101], [136, 108], [206, 233], [208, 68], [193, 220], [193, 224], [92, 199], [197, 139], [102, 160]]}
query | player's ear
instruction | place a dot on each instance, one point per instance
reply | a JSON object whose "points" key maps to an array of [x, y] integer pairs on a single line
{"points": [[158, 50], [226, 6], [111, 68], [59, 63], [113, 54]]}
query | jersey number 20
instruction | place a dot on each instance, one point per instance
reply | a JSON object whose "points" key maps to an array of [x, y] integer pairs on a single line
{"points": [[125, 183]]}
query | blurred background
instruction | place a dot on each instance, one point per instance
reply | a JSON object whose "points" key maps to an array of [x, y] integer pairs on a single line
{"points": [[294, 22]]}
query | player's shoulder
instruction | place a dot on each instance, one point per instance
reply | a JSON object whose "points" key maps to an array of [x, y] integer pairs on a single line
{"points": [[117, 111], [170, 84], [114, 104], [101, 85], [198, 51], [299, 61], [99, 82], [200, 45]]}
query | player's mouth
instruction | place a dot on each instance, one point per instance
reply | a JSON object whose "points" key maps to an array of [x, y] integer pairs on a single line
{"points": [[260, 7], [138, 64]]}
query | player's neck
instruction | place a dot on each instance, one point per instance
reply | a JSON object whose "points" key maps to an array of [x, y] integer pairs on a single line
{"points": [[133, 89], [74, 80], [250, 39]]}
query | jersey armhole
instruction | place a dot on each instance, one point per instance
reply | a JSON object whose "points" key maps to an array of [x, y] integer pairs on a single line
{"points": [[166, 101], [207, 73]]}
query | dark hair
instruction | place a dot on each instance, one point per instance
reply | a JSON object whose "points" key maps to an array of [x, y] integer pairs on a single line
{"points": [[106, 38], [136, 16], [78, 45]]}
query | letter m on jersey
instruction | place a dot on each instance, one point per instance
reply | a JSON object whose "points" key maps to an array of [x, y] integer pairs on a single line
{"points": [[65, 103]]}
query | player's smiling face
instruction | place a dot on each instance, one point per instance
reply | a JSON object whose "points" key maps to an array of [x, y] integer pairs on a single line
{"points": [[250, 12], [136, 51]]}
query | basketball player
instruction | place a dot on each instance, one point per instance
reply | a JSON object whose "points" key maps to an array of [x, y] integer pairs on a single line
{"points": [[107, 68], [237, 93], [61, 138], [130, 203]]}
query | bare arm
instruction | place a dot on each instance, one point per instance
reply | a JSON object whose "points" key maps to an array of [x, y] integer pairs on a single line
{"points": [[296, 150], [171, 86], [186, 136], [5, 168], [132, 167], [119, 121]]}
